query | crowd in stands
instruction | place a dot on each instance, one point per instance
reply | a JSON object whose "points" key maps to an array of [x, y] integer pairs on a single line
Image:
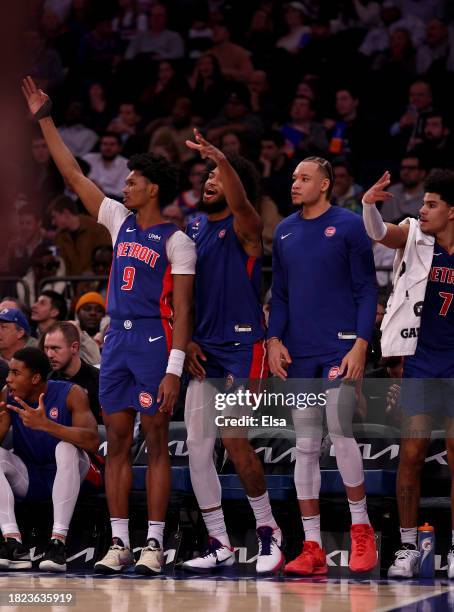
{"points": [[364, 83]]}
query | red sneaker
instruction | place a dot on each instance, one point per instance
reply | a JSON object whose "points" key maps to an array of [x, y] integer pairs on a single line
{"points": [[310, 562], [363, 556]]}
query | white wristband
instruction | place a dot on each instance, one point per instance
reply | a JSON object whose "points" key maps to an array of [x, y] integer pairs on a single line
{"points": [[176, 362], [373, 222]]}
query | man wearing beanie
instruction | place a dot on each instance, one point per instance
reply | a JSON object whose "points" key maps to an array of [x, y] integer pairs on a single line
{"points": [[90, 310]]}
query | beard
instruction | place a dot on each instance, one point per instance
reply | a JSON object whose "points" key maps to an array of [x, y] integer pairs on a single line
{"points": [[214, 207]]}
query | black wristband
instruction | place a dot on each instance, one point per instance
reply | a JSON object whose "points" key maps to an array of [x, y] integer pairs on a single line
{"points": [[44, 111]]}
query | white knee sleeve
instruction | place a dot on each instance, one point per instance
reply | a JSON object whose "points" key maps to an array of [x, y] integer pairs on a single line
{"points": [[308, 430], [13, 482], [72, 467], [200, 441]]}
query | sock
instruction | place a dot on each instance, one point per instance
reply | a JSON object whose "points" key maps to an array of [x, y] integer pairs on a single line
{"points": [[262, 510], [156, 531], [311, 526], [408, 535], [59, 532], [358, 510], [215, 524], [14, 536], [452, 537], [120, 530]]}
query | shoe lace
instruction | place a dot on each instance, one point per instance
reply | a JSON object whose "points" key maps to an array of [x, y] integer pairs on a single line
{"points": [[213, 546], [265, 536], [360, 540], [406, 553]]}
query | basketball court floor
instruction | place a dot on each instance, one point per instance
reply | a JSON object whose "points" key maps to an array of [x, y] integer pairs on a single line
{"points": [[229, 592]]}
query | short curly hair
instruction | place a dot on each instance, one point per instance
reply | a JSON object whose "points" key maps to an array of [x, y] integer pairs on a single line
{"points": [[441, 182], [159, 171], [248, 174]]}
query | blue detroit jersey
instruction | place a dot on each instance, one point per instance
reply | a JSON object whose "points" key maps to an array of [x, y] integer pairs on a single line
{"points": [[140, 283], [437, 319], [227, 286], [38, 447], [324, 283]]}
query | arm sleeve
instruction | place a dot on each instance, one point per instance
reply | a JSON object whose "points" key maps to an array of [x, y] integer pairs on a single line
{"points": [[181, 252], [279, 296], [364, 280], [111, 215]]}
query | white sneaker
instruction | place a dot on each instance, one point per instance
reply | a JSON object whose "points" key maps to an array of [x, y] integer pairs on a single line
{"points": [[451, 563], [117, 558], [151, 559], [216, 557], [270, 558], [406, 563]]}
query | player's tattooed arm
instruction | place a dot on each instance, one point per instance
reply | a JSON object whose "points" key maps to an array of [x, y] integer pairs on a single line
{"points": [[65, 161]]}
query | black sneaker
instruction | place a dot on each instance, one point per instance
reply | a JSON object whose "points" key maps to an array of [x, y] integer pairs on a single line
{"points": [[14, 555], [54, 559]]}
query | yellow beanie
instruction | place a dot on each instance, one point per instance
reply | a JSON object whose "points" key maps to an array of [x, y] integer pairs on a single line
{"points": [[92, 297]]}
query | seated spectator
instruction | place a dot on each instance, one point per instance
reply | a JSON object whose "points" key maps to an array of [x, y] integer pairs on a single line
{"points": [[101, 263], [234, 60], [397, 64], [77, 235], [236, 116], [346, 193], [260, 37], [45, 263], [43, 180], [200, 35], [90, 310], [433, 53], [126, 123], [75, 134], [408, 131], [303, 135], [49, 308], [108, 168], [294, 16], [209, 88], [128, 21], [158, 42], [97, 108], [437, 148], [231, 144], [14, 332], [276, 170], [408, 193], [188, 200], [261, 97], [30, 236], [176, 128], [158, 99], [173, 214], [41, 62], [62, 347], [100, 49]]}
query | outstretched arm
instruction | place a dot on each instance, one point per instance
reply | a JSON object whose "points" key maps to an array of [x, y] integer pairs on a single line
{"points": [[247, 223], [87, 191], [392, 236]]}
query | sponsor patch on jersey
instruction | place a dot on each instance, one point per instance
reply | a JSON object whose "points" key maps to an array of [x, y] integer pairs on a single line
{"points": [[145, 399], [333, 373], [330, 231], [243, 328], [53, 412], [154, 237]]}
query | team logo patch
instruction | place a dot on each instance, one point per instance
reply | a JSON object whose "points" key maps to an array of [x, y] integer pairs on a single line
{"points": [[53, 412], [145, 399], [127, 324], [417, 308], [221, 233], [330, 231], [333, 373]]}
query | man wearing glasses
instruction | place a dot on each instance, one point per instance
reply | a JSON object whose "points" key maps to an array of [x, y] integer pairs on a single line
{"points": [[408, 193]]}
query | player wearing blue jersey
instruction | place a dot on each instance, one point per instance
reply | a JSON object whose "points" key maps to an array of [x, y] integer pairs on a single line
{"points": [[228, 343], [52, 428], [423, 318], [322, 316], [149, 303]]}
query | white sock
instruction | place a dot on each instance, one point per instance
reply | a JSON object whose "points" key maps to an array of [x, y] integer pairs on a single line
{"points": [[261, 508], [358, 510], [311, 526], [59, 532], [408, 535], [215, 524], [156, 531], [120, 530], [452, 537]]}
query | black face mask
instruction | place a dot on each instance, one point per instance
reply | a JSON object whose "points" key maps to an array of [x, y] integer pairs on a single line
{"points": [[214, 207]]}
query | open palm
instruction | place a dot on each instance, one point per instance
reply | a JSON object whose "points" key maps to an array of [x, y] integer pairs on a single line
{"points": [[35, 97]]}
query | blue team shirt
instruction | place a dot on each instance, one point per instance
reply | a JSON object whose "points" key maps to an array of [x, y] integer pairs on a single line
{"points": [[324, 283], [227, 286], [38, 447], [437, 318], [141, 283]]}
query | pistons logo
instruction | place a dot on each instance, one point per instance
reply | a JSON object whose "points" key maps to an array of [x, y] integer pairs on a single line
{"points": [[333, 373], [53, 413], [330, 231], [145, 399], [221, 233]]}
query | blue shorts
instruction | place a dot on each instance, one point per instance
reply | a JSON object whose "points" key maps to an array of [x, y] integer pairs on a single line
{"points": [[325, 367], [428, 383], [233, 361], [134, 361]]}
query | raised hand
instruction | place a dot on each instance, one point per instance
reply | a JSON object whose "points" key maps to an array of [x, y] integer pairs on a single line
{"points": [[205, 148], [377, 192], [36, 98], [35, 418]]}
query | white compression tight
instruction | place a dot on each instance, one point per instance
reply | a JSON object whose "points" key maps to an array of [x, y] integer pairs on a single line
{"points": [[199, 419], [72, 467], [308, 424]]}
